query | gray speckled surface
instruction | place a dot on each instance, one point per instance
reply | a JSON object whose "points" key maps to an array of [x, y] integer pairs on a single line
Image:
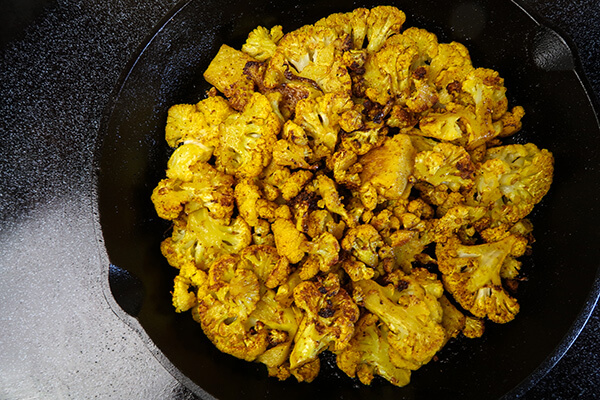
{"points": [[58, 67]]}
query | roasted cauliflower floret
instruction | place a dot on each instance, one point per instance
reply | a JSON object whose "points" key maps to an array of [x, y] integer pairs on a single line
{"points": [[453, 320], [399, 71], [265, 262], [386, 171], [472, 276], [511, 121], [315, 54], [190, 180], [247, 139], [363, 242], [290, 242], [282, 321], [452, 63], [183, 161], [321, 221], [325, 250], [410, 309], [320, 119], [383, 22], [168, 200], [293, 149], [447, 125], [226, 73], [329, 318], [352, 24], [197, 123], [225, 302], [262, 43], [486, 88], [331, 198], [345, 168], [445, 164], [247, 194], [511, 181], [278, 181], [184, 297], [365, 138], [388, 73], [357, 270], [368, 354], [202, 239]]}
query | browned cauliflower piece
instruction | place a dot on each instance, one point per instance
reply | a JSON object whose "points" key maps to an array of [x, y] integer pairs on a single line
{"points": [[262, 235], [282, 321], [345, 168], [328, 321], [388, 74], [197, 123], [247, 139], [386, 171], [471, 273], [325, 250], [352, 24], [183, 294], [226, 73], [383, 22], [398, 72], [312, 53], [321, 221], [320, 119], [449, 124], [445, 164], [225, 302], [293, 149], [261, 43], [453, 320], [247, 194], [290, 242], [486, 88], [452, 63], [511, 121], [283, 182], [357, 270], [474, 327], [511, 180], [363, 242], [368, 354], [410, 309], [331, 199], [201, 239], [365, 138], [473, 115], [406, 246], [265, 262], [191, 180]]}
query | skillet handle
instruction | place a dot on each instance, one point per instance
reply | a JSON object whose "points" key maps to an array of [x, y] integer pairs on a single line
{"points": [[550, 51], [127, 290]]}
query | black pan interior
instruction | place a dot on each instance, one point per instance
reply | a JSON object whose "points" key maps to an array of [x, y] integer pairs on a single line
{"points": [[500, 35]]}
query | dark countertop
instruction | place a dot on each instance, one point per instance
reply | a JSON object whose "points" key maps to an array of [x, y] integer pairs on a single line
{"points": [[59, 62]]}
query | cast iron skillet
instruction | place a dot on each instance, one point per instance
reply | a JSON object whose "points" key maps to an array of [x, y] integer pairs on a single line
{"points": [[539, 72]]}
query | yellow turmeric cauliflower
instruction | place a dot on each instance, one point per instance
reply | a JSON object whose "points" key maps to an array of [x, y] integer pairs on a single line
{"points": [[511, 180], [344, 188], [246, 139], [410, 309], [472, 275]]}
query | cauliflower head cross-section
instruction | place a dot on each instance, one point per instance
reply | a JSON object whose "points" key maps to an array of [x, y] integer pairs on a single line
{"points": [[471, 273]]}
